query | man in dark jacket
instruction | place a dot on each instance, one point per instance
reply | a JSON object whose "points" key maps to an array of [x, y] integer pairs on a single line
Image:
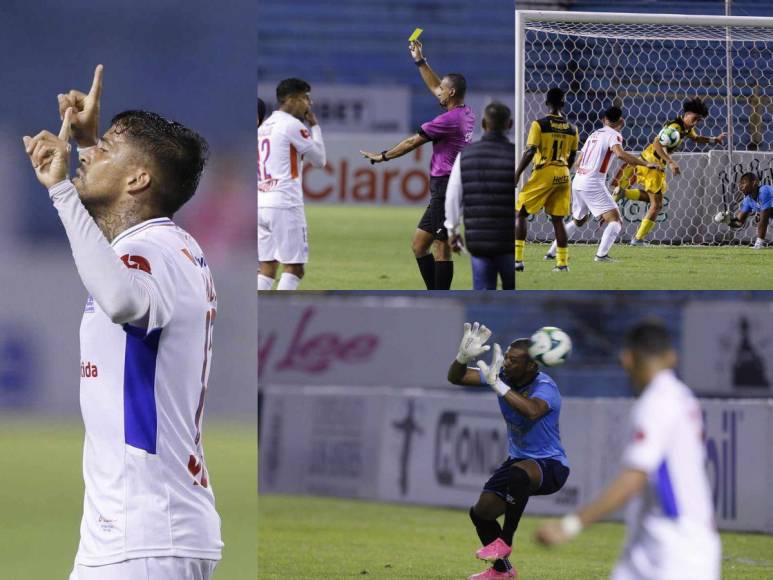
{"points": [[482, 189]]}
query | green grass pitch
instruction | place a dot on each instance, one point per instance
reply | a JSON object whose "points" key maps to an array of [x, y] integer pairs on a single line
{"points": [[42, 499], [369, 248], [650, 268], [304, 537]]}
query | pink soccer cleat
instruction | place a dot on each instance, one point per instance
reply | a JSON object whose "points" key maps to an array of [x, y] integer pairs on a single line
{"points": [[496, 550], [492, 573]]}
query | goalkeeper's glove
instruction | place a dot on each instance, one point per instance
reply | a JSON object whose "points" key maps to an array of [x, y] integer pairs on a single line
{"points": [[473, 342], [491, 373]]}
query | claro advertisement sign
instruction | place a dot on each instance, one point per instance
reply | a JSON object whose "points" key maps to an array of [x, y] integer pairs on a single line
{"points": [[349, 178]]}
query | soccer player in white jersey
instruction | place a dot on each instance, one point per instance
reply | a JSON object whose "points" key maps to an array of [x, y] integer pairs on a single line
{"points": [[589, 186], [671, 530], [146, 340], [284, 142]]}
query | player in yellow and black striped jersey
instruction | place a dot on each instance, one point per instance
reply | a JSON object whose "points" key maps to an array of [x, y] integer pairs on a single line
{"points": [[552, 145], [653, 181]]}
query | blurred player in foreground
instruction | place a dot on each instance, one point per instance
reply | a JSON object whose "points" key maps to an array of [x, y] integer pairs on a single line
{"points": [[481, 190], [671, 529], [449, 132], [653, 181], [536, 464], [552, 144], [284, 143], [589, 187], [757, 201], [146, 339]]}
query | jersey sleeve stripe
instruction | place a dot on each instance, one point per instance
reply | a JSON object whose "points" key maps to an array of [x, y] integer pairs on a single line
{"points": [[139, 395], [294, 161]]}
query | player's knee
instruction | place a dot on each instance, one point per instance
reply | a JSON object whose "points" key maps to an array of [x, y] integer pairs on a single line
{"points": [[480, 515], [296, 270], [519, 483]]}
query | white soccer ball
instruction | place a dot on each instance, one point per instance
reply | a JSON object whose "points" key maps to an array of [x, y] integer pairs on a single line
{"points": [[550, 346], [669, 137], [719, 218]]}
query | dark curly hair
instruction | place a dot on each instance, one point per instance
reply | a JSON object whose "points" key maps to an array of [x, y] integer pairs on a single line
{"points": [[178, 152], [696, 106]]}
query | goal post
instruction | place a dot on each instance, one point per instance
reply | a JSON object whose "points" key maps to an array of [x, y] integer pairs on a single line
{"points": [[648, 64]]}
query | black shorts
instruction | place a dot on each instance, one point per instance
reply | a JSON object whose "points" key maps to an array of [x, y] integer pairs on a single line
{"points": [[554, 476], [435, 214]]}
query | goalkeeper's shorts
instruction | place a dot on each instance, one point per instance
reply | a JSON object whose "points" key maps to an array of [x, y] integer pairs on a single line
{"points": [[651, 180], [548, 187]]}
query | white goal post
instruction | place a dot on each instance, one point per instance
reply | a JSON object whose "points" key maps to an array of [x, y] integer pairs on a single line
{"points": [[648, 64]]}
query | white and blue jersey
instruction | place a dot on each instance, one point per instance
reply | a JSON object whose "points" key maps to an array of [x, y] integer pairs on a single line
{"points": [[142, 392], [671, 529], [764, 201], [538, 439]]}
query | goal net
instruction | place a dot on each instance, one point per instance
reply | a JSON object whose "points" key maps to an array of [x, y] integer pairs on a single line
{"points": [[648, 64]]}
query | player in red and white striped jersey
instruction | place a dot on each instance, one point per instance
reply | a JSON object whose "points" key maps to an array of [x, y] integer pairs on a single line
{"points": [[589, 187], [146, 340], [284, 142]]}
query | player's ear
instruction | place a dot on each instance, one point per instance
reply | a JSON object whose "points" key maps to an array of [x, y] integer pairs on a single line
{"points": [[138, 180]]}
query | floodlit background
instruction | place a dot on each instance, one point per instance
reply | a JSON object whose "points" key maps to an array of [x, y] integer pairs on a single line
{"points": [[190, 62]]}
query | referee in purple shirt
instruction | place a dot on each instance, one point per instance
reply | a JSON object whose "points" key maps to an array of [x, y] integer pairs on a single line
{"points": [[450, 132]]}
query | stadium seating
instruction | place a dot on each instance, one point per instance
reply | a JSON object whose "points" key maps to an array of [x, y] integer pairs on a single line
{"points": [[369, 44]]}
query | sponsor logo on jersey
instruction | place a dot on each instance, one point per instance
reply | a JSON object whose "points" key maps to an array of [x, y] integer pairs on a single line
{"points": [[305, 134], [89, 305], [198, 470], [89, 370], [136, 263]]}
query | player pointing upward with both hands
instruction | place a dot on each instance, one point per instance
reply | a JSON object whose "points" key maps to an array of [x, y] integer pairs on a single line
{"points": [[146, 336], [449, 132], [536, 464]]}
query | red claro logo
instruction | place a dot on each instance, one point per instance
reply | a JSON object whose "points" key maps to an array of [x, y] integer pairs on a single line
{"points": [[88, 370], [136, 262]]}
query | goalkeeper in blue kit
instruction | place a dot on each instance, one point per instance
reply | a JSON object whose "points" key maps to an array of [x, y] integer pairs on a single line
{"points": [[758, 201]]}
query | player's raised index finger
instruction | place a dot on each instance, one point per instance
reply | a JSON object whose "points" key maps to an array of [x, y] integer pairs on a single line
{"points": [[96, 85], [64, 132]]}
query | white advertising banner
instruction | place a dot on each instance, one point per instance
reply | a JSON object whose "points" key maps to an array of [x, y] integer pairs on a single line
{"points": [[350, 178], [345, 341], [439, 448], [727, 348], [354, 108]]}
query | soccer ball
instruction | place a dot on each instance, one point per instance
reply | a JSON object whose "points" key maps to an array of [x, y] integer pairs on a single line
{"points": [[550, 346], [669, 137]]}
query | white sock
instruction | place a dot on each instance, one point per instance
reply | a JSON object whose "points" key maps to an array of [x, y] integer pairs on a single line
{"points": [[570, 228], [288, 281], [608, 237], [264, 282]]}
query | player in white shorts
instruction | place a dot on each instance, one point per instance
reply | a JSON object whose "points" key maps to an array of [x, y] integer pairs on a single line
{"points": [[589, 187], [284, 143], [671, 529], [145, 337]]}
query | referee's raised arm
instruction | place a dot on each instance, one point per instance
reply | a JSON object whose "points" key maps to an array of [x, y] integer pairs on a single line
{"points": [[427, 74]]}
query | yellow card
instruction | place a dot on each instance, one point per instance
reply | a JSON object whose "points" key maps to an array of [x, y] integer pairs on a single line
{"points": [[416, 34]]}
